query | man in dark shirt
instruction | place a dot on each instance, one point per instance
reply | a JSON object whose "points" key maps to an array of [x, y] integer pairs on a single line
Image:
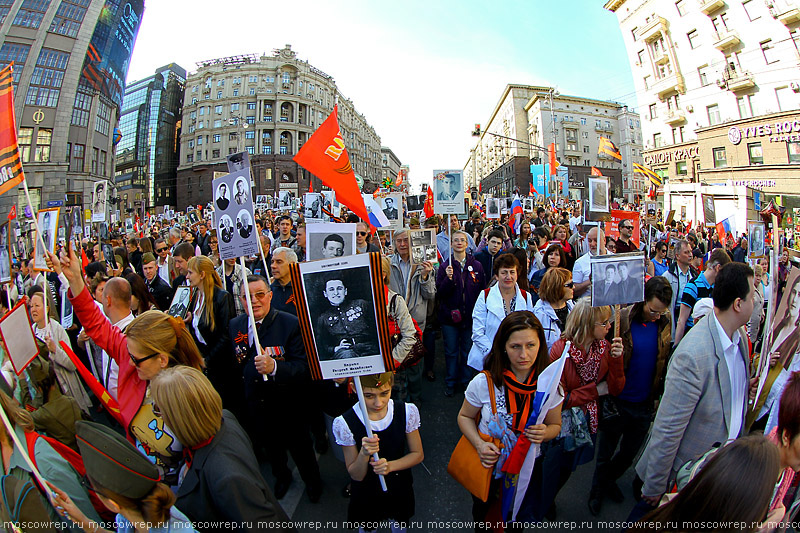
{"points": [[539, 220], [158, 287], [624, 243]]}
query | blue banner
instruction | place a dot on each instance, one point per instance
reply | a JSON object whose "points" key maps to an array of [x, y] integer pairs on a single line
{"points": [[539, 179]]}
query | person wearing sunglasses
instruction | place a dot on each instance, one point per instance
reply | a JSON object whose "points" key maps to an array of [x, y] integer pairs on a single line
{"points": [[363, 244], [555, 303], [287, 384], [624, 243], [593, 369], [152, 342], [165, 261], [646, 338]]}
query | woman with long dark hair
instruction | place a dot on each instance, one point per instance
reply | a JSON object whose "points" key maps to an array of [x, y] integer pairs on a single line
{"points": [[513, 366], [554, 256], [141, 299]]}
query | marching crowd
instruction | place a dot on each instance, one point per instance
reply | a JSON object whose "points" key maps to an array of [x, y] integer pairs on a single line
{"points": [[198, 405]]}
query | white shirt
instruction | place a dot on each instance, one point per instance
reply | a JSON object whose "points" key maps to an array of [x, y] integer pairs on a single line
{"points": [[344, 437], [163, 271], [110, 370], [582, 268], [198, 310], [738, 377], [574, 222]]}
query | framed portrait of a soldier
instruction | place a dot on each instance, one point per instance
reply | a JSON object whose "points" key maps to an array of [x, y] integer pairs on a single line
{"points": [[392, 207], [5, 254], [448, 192], [527, 205], [330, 204], [313, 206], [709, 211], [328, 240], [48, 225], [181, 301], [617, 279], [598, 195], [755, 240], [493, 208], [423, 245], [415, 202], [341, 306], [99, 195], [235, 222], [285, 200], [238, 161]]}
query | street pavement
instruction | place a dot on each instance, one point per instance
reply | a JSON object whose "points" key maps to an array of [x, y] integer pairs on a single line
{"points": [[441, 503]]}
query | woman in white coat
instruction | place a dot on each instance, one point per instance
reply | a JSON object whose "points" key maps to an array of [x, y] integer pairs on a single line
{"points": [[494, 305], [555, 303]]}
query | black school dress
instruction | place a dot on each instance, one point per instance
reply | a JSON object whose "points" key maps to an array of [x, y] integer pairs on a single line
{"points": [[368, 502]]}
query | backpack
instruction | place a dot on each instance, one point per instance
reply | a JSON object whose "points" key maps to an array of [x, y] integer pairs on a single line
{"points": [[76, 462]]}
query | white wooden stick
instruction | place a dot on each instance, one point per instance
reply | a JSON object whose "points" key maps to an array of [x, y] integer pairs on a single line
{"points": [[252, 319], [362, 403]]}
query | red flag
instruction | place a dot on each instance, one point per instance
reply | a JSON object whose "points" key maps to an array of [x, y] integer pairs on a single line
{"points": [[310, 186], [480, 187], [84, 259], [10, 163], [551, 152], [531, 192], [428, 207], [324, 155], [596, 172], [102, 394], [13, 213]]}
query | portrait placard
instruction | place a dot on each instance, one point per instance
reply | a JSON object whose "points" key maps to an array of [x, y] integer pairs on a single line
{"points": [[18, 338], [328, 240], [392, 207], [527, 205], [285, 200], [448, 192], [423, 245], [99, 195], [312, 201], [66, 309], [5, 254], [416, 202], [493, 208], [341, 305], [598, 195], [330, 204], [233, 216], [617, 279], [755, 240], [238, 161], [181, 301], [48, 225], [786, 322], [709, 211]]}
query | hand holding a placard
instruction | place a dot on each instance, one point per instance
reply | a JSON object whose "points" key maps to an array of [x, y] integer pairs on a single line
{"points": [[427, 268], [616, 347]]}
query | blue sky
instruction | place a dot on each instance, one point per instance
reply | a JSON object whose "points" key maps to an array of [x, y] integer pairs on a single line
{"points": [[423, 73]]}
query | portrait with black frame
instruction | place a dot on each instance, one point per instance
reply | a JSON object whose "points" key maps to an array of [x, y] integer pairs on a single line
{"points": [[182, 301]]}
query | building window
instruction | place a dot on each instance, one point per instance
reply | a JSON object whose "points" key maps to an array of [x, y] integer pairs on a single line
{"points": [[720, 158], [633, 34], [677, 135], [103, 159], [794, 152], [680, 168], [249, 134], [266, 149], [694, 39], [95, 157], [702, 73], [219, 95], [218, 109], [43, 139], [286, 77], [189, 158], [285, 143], [657, 140], [217, 138], [585, 149], [191, 144], [680, 5], [24, 141], [768, 49], [102, 121], [236, 92], [251, 105], [18, 53], [80, 111], [785, 99], [47, 77], [751, 10], [31, 13], [78, 157], [215, 153], [234, 107], [585, 134], [713, 115], [583, 121], [653, 111], [218, 123], [251, 149], [756, 153], [69, 17], [252, 91], [250, 120], [199, 140], [640, 57]]}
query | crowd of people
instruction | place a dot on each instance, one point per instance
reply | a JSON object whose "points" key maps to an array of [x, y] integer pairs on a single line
{"points": [[198, 403]]}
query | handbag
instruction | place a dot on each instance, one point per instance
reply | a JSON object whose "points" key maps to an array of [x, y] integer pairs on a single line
{"points": [[574, 429], [417, 351], [465, 463], [609, 410]]}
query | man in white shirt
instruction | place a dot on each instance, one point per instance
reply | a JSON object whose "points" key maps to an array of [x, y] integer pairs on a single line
{"points": [[117, 307], [706, 388], [582, 271], [164, 261], [575, 220]]}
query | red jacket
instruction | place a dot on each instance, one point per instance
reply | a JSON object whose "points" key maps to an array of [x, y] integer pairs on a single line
{"points": [[130, 389], [611, 370]]}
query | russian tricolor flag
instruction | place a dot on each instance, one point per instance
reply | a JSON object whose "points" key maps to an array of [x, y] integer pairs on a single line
{"points": [[377, 218], [726, 226], [516, 213]]}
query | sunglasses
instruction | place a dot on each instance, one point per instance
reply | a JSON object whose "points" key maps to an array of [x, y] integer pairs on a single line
{"points": [[362, 233], [159, 250], [569, 285], [260, 295], [137, 362]]}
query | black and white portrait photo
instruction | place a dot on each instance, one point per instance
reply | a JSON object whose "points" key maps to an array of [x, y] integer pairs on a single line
{"points": [[108, 254], [99, 195], [331, 204], [389, 207], [755, 239], [423, 246], [194, 217], [327, 240], [448, 192], [222, 197], [241, 195], [652, 208], [527, 205], [226, 228], [285, 200], [238, 161], [415, 202], [313, 205], [180, 302], [493, 208], [392, 207], [617, 279], [709, 210], [598, 195], [5, 255], [244, 224], [48, 225]]}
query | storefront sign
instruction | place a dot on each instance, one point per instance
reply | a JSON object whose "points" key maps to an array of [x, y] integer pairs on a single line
{"points": [[681, 154], [754, 184], [786, 131]]}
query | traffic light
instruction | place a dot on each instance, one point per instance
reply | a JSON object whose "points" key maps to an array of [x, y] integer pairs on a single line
{"points": [[477, 131]]}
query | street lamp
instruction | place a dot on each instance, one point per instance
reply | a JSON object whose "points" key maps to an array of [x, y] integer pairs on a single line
{"points": [[237, 120]]}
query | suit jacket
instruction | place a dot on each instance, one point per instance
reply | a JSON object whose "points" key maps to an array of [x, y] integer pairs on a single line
{"points": [[224, 483], [162, 293], [694, 412], [606, 293], [222, 203]]}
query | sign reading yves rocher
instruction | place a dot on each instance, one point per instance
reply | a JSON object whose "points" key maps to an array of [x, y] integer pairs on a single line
{"points": [[233, 215]]}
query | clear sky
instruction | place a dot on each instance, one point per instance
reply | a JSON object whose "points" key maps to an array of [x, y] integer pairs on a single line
{"points": [[422, 72]]}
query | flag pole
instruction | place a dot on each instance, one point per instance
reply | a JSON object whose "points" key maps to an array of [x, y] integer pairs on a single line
{"points": [[367, 425], [44, 247], [251, 319]]}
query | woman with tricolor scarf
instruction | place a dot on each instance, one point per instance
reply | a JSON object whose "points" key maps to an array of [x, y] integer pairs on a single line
{"points": [[594, 369], [517, 358]]}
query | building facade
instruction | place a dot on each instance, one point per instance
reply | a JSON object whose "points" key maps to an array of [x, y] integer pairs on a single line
{"points": [[705, 68], [390, 164], [147, 155], [539, 116], [268, 106], [70, 63]]}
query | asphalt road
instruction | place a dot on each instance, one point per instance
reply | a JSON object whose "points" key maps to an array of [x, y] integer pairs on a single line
{"points": [[441, 503]]}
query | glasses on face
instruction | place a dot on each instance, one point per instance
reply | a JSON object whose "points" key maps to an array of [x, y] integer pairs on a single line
{"points": [[569, 285], [213, 242], [159, 250], [137, 362], [655, 313], [605, 324], [260, 295], [362, 233]]}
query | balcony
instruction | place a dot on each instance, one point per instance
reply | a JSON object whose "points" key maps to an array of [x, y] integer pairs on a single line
{"points": [[726, 39], [661, 58], [675, 117], [608, 128], [598, 127], [787, 16], [569, 120], [653, 30], [741, 81], [710, 6], [577, 152], [668, 85]]}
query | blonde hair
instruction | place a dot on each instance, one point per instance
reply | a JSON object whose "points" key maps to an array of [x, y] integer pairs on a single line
{"points": [[758, 270], [189, 404], [581, 321], [560, 227], [386, 269], [157, 332], [202, 264], [552, 289]]}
